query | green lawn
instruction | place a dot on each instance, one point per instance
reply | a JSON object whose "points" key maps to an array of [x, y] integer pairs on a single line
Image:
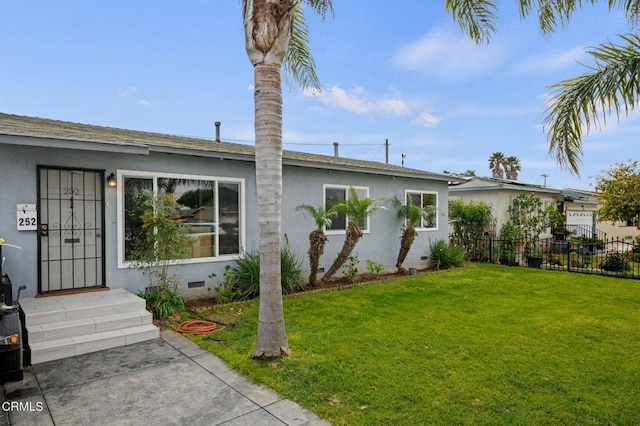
{"points": [[486, 344]]}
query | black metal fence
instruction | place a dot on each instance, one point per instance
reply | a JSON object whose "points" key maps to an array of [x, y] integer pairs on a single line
{"points": [[587, 255]]}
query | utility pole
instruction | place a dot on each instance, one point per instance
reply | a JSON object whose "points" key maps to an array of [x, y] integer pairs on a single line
{"points": [[545, 176], [403, 157], [386, 150]]}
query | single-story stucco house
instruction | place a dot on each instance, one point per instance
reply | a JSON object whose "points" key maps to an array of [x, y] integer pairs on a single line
{"points": [[76, 229], [67, 199], [578, 206]]}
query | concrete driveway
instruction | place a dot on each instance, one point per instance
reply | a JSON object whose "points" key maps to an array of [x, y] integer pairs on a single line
{"points": [[168, 381]]}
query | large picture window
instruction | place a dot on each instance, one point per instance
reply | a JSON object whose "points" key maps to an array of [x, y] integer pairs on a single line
{"points": [[337, 193], [212, 210], [428, 200]]}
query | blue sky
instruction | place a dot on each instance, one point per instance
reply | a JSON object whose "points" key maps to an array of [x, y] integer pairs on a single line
{"points": [[404, 72]]}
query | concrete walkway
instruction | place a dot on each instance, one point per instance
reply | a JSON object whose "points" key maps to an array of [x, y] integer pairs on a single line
{"points": [[166, 381]]}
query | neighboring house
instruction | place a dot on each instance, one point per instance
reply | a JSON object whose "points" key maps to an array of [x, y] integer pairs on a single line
{"points": [[82, 231], [579, 206], [613, 230]]}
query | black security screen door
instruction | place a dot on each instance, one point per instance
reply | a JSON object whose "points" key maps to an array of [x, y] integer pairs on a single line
{"points": [[70, 226]]}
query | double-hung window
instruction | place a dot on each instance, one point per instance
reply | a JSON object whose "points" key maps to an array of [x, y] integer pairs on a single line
{"points": [[212, 210], [429, 201], [338, 193]]}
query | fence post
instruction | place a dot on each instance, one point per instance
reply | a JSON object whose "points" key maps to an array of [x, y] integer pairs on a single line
{"points": [[568, 255]]}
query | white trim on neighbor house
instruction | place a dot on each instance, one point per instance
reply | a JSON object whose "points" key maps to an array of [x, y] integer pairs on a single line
{"points": [[154, 175], [422, 193], [359, 189]]}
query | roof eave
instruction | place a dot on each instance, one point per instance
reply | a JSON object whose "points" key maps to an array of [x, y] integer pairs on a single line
{"points": [[73, 144]]}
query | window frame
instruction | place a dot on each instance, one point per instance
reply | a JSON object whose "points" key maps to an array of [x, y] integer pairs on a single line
{"points": [[346, 191], [422, 193], [154, 175]]}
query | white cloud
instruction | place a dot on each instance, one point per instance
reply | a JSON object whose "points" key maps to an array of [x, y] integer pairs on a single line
{"points": [[450, 55], [554, 62], [425, 119], [357, 100], [128, 91], [144, 102]]}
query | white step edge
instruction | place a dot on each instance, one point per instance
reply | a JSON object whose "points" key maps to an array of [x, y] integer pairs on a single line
{"points": [[79, 327], [78, 345], [50, 313]]}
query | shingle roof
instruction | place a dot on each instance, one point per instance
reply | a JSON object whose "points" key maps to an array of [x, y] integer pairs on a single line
{"points": [[43, 130]]}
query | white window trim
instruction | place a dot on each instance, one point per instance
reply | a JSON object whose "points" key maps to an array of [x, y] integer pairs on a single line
{"points": [[346, 188], [420, 191], [121, 174]]}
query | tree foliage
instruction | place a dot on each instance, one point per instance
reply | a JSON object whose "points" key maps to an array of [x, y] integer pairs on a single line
{"points": [[619, 192], [611, 85], [469, 220], [356, 210], [496, 164], [578, 104], [323, 218], [528, 214], [412, 214]]}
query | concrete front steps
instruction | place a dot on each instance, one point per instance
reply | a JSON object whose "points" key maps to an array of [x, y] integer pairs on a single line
{"points": [[65, 326]]}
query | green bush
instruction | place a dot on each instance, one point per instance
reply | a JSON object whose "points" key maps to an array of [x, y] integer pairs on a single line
{"points": [[163, 300], [242, 277], [615, 262], [374, 267], [445, 256], [350, 267]]}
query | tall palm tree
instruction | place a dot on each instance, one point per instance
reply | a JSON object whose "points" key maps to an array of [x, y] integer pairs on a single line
{"points": [[274, 30], [512, 166], [412, 214], [496, 164], [610, 85], [323, 218], [356, 210]]}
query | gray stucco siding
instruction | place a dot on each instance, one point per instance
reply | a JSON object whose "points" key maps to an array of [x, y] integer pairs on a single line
{"points": [[301, 185]]}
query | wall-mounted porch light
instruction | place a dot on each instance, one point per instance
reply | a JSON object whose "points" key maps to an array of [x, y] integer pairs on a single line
{"points": [[111, 181]]}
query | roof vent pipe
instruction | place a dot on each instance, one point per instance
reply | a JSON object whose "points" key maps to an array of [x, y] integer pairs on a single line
{"points": [[335, 149], [217, 123]]}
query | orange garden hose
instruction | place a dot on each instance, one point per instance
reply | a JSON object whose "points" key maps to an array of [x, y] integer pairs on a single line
{"points": [[197, 327]]}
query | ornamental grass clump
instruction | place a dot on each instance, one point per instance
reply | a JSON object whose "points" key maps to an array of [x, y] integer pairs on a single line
{"points": [[242, 277], [445, 256]]}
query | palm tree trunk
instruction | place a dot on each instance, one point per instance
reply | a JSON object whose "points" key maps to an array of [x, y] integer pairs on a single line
{"points": [[267, 24], [408, 237], [317, 240], [272, 339], [351, 239]]}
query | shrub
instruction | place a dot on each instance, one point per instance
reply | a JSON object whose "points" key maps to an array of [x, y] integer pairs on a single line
{"points": [[374, 267], [350, 267], [163, 300], [579, 260], [445, 256], [615, 261], [242, 277]]}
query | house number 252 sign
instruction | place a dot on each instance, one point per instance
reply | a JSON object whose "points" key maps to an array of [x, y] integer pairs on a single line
{"points": [[26, 217]]}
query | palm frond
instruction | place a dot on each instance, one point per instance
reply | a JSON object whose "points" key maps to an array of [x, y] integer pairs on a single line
{"points": [[322, 216], [475, 17], [321, 7], [611, 86], [299, 62]]}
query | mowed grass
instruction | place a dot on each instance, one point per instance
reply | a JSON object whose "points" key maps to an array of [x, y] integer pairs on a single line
{"points": [[485, 344]]}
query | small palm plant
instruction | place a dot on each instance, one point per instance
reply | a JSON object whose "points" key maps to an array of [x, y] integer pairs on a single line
{"points": [[412, 214], [323, 218], [356, 210]]}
